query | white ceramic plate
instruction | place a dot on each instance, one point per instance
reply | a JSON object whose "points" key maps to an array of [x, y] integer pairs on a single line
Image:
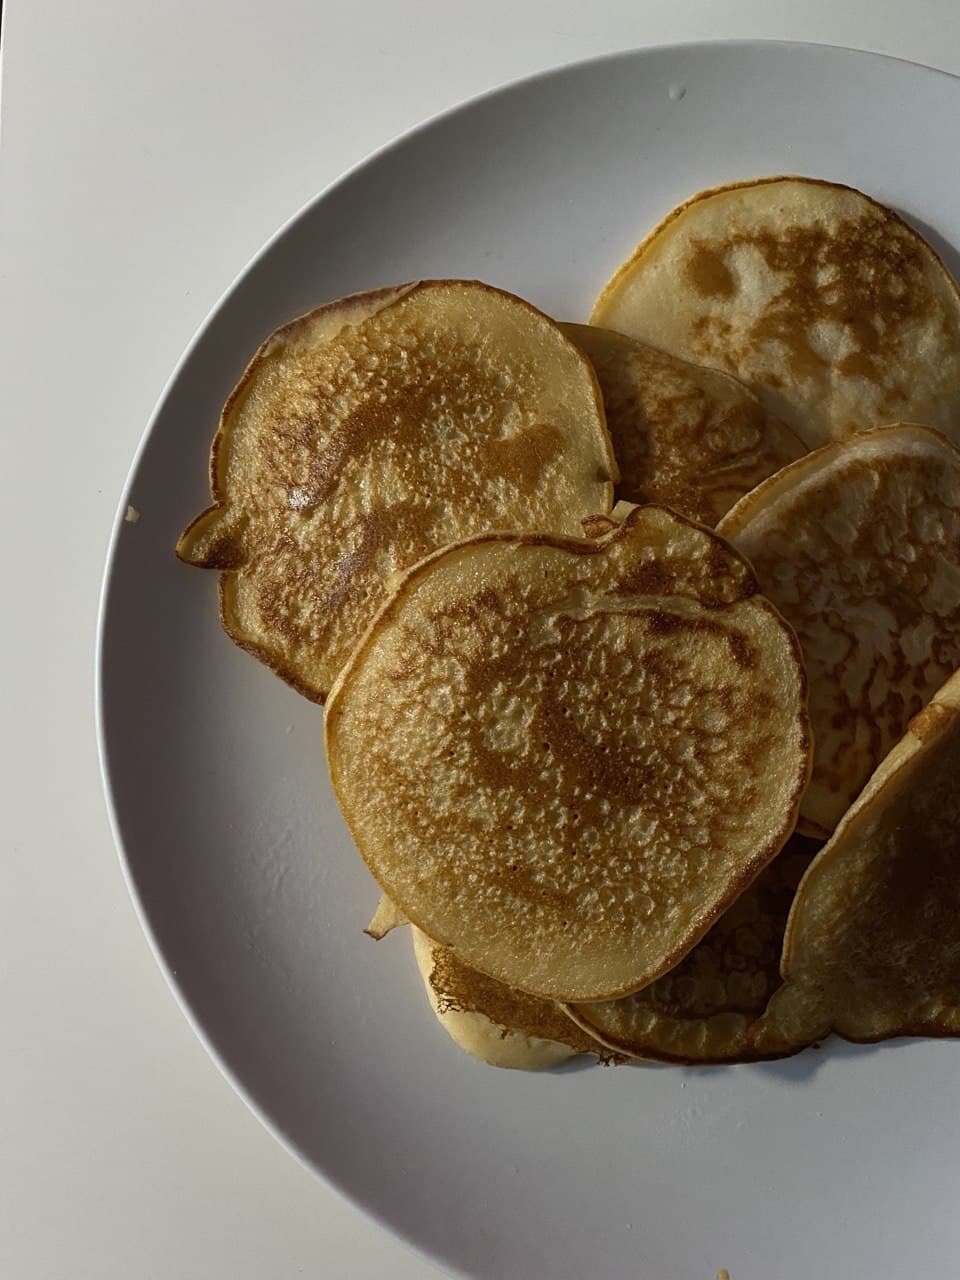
{"points": [[841, 1163]]}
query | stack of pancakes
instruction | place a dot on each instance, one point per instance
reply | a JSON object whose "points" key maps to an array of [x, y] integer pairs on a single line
{"points": [[637, 639]]}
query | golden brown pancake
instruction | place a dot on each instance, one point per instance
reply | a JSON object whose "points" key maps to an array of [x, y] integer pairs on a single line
{"points": [[489, 1021], [872, 947], [565, 758], [492, 1022], [827, 304], [374, 430], [706, 1009], [688, 437], [858, 545]]}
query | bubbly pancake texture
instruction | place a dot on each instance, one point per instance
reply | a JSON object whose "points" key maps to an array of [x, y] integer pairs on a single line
{"points": [[826, 303], [858, 545], [685, 436], [872, 947], [564, 758], [706, 1009], [372, 431], [492, 1022]]}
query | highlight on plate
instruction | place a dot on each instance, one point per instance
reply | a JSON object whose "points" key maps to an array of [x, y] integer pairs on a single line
{"points": [[638, 639]]}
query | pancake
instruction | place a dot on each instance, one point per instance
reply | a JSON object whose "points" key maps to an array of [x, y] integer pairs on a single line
{"points": [[565, 758], [374, 430], [872, 948], [684, 436], [386, 918], [827, 304], [491, 1022], [706, 1009], [858, 545]]}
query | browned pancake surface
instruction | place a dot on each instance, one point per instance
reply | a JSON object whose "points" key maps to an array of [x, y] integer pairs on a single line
{"points": [[858, 545], [374, 430], [689, 437], [825, 302], [872, 947], [564, 758], [706, 1009]]}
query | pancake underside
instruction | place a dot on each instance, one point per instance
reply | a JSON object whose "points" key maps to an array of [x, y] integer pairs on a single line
{"points": [[461, 990]]}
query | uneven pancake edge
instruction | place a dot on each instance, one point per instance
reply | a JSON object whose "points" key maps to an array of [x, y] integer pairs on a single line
{"points": [[741, 1046], [613, 530], [689, 436], [476, 1023], [572, 327], [385, 919], [368, 305], [388, 296], [653, 1055], [786, 482], [468, 1016], [775, 502], [748, 873], [886, 777]]}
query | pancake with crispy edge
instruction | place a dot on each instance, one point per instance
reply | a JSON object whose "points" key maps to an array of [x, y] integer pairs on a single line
{"points": [[564, 758], [492, 1022], [705, 1010], [495, 1023], [872, 948], [685, 436], [373, 430], [858, 545], [826, 303]]}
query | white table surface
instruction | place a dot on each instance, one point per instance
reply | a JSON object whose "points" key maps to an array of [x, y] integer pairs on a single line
{"points": [[147, 151]]}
